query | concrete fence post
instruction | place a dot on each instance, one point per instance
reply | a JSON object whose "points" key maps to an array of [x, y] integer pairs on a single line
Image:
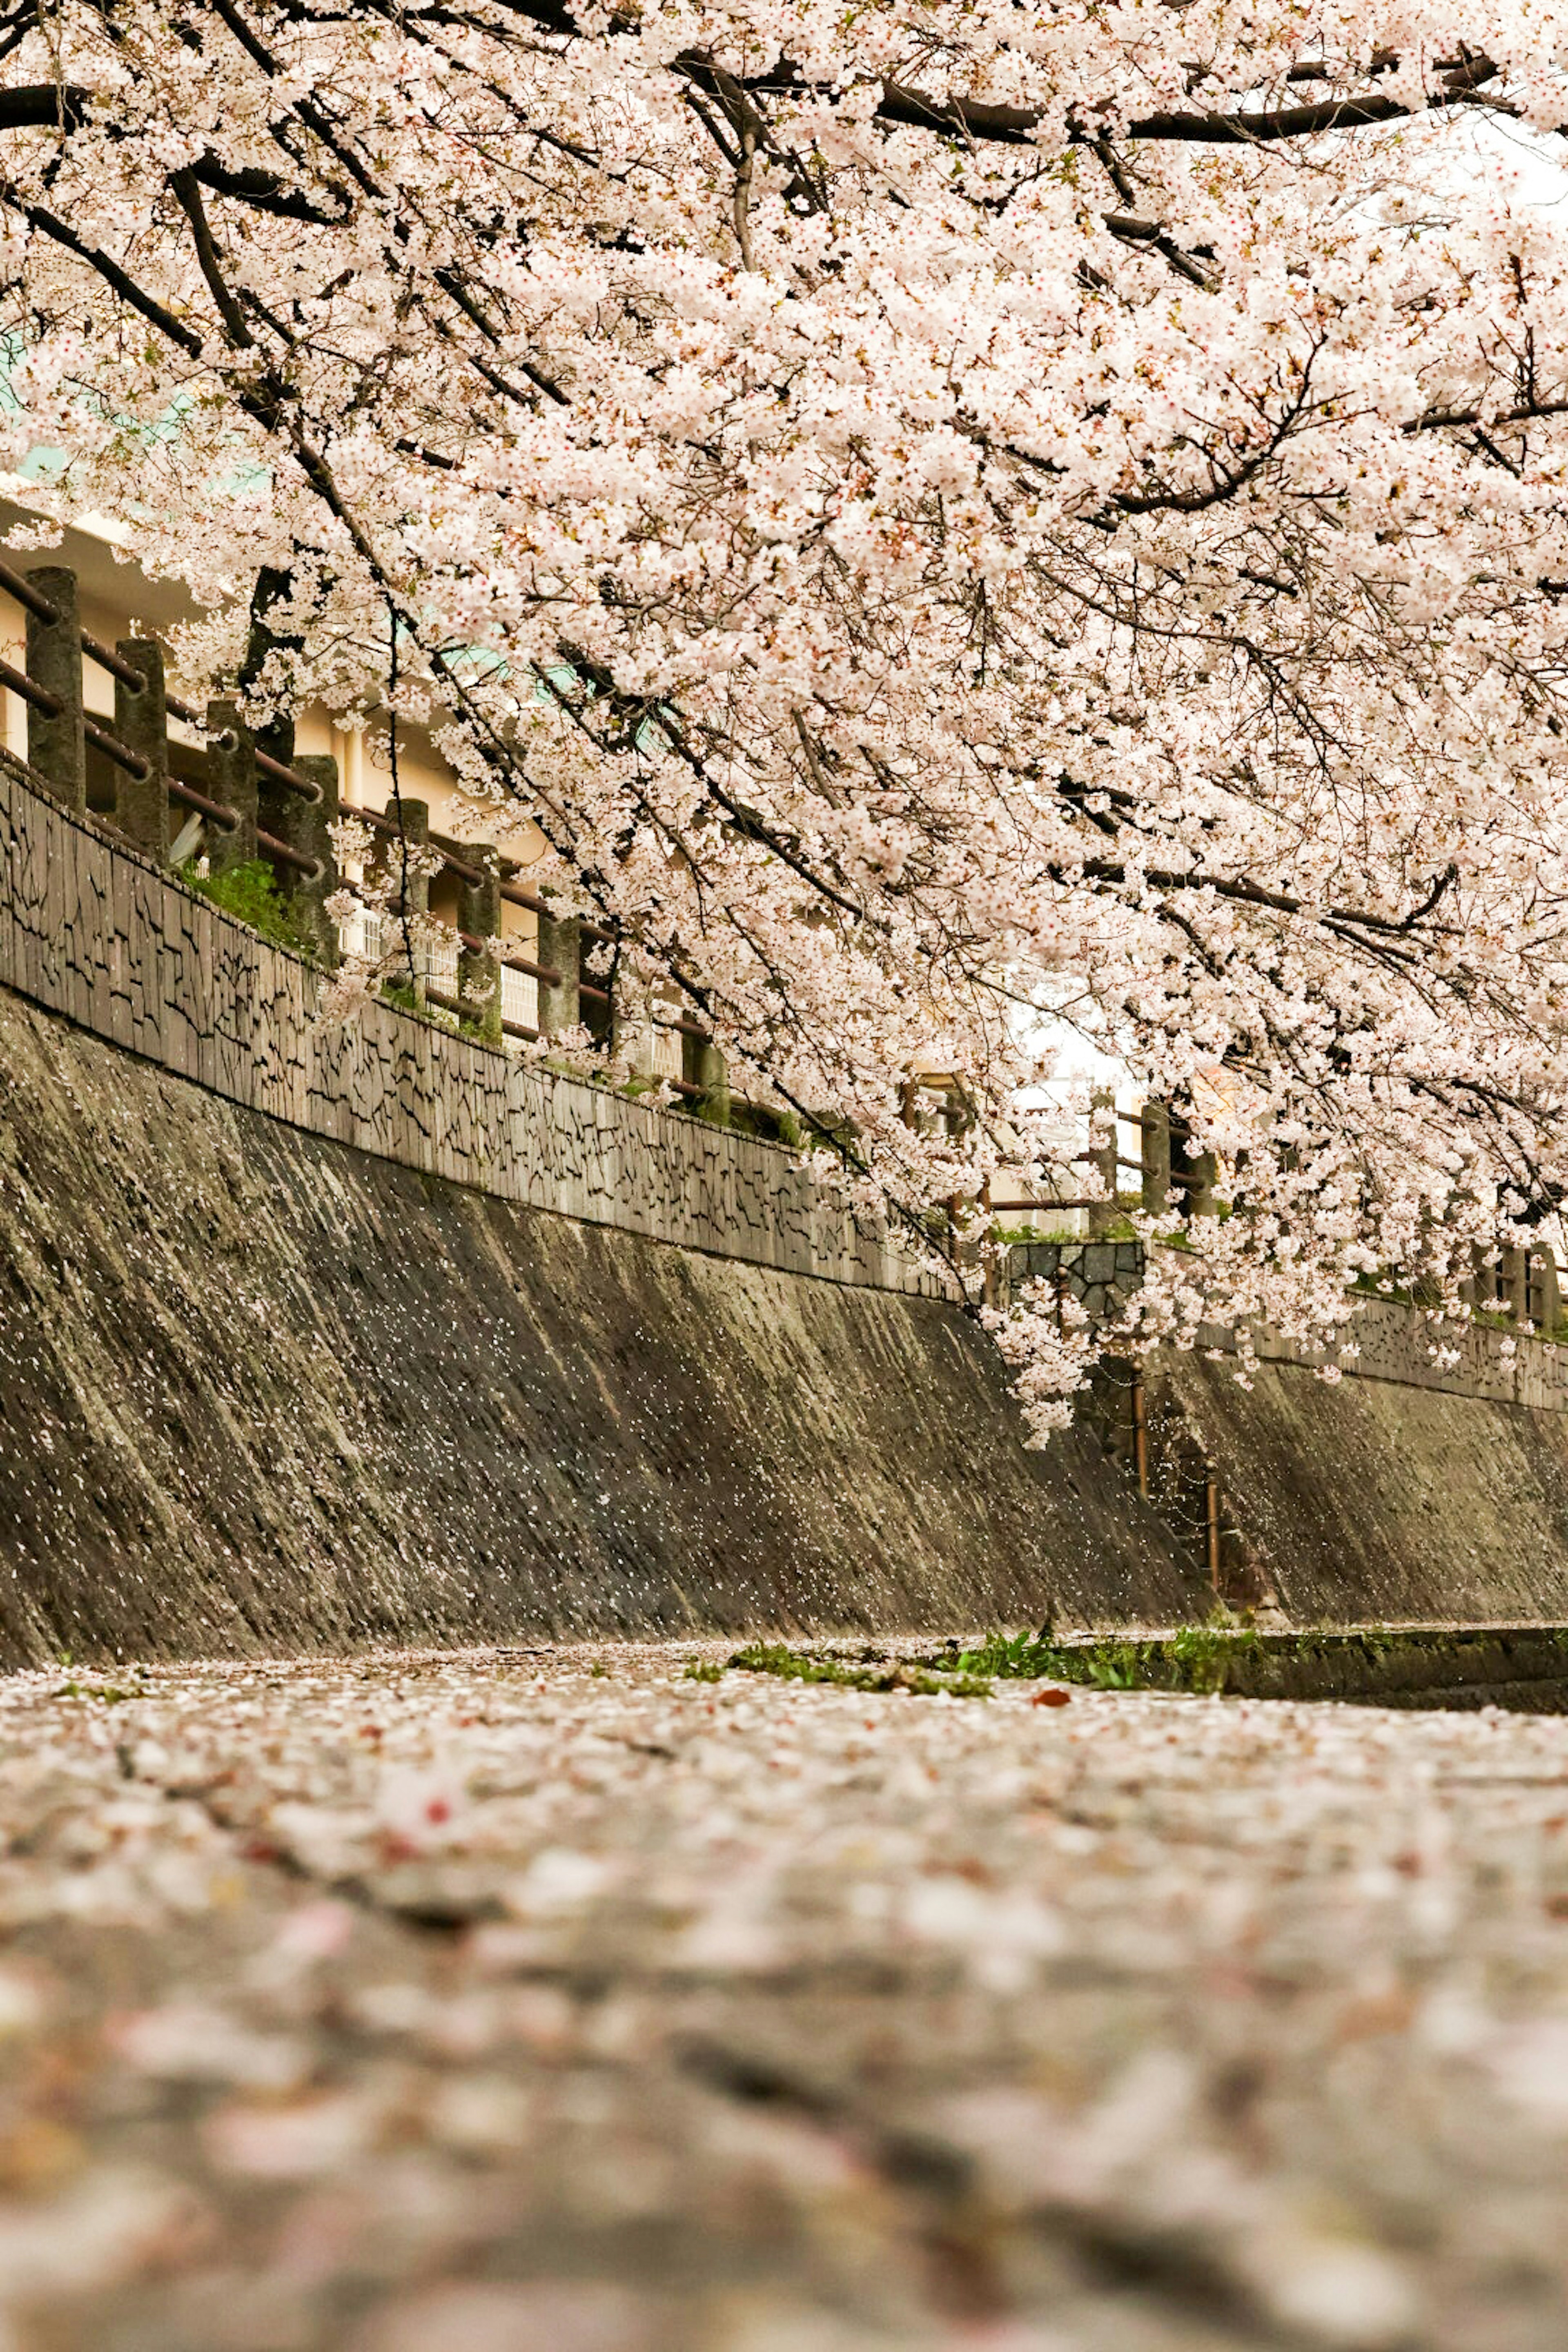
{"points": [[1201, 1183], [1154, 1139], [305, 826], [560, 948], [142, 723], [231, 782], [56, 747], [1102, 1158], [702, 1065], [1191, 1173], [631, 1027], [479, 973], [1513, 1283], [1479, 1287], [411, 900]]}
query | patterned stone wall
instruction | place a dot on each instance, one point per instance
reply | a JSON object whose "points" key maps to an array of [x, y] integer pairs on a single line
{"points": [[1395, 1342], [91, 931]]}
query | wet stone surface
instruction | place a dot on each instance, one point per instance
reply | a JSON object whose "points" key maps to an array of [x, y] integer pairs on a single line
{"points": [[556, 2002]]}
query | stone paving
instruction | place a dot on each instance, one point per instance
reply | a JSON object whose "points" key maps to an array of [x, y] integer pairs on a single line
{"points": [[562, 2002]]}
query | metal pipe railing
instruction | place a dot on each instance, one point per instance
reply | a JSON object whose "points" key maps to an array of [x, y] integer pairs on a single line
{"points": [[30, 690], [107, 658], [513, 962], [227, 819], [1041, 1208], [682, 1027], [113, 749], [51, 706], [264, 760], [17, 585], [378, 819], [287, 855]]}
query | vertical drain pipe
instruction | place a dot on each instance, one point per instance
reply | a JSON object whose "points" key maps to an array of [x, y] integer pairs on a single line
{"points": [[1140, 1436], [1211, 1512]]}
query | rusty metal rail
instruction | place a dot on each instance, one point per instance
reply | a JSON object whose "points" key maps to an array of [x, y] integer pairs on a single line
{"points": [[52, 706], [513, 962], [227, 819], [266, 766]]}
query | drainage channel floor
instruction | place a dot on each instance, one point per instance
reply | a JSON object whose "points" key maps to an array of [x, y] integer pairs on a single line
{"points": [[564, 2001]]}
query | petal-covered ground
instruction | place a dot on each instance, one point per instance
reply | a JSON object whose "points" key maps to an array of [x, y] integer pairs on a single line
{"points": [[556, 2001]]}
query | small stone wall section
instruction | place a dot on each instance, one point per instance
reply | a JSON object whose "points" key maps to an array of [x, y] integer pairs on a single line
{"points": [[1100, 1275], [93, 932]]}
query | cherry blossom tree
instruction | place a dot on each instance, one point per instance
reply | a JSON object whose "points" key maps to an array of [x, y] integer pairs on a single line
{"points": [[959, 524]]}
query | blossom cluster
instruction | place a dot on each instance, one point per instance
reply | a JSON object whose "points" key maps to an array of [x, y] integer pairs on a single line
{"points": [[960, 526]]}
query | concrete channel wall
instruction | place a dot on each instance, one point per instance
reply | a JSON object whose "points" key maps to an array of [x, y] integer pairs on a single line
{"points": [[314, 1338], [260, 1392]]}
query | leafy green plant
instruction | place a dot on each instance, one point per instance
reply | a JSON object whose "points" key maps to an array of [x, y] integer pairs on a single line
{"points": [[436, 1016], [1021, 1657], [703, 1670], [249, 892], [1203, 1653], [1194, 1658]]}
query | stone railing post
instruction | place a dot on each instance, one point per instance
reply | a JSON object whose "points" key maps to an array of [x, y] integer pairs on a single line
{"points": [[142, 723], [1154, 1150], [1191, 1173], [560, 948], [1513, 1283], [56, 747], [1479, 1287], [702, 1065], [1545, 1304], [412, 899], [305, 826], [231, 782], [631, 1027], [479, 973], [1102, 1159], [1201, 1172]]}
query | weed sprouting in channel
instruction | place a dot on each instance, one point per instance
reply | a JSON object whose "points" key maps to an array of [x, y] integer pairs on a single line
{"points": [[1195, 1658], [794, 1666]]}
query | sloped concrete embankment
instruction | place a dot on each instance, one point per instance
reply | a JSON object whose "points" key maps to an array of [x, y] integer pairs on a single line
{"points": [[1380, 1501], [259, 1392]]}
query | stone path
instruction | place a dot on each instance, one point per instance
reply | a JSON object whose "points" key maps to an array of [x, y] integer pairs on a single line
{"points": [[555, 2001]]}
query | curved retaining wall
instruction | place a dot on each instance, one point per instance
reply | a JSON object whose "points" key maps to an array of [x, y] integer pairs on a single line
{"points": [[97, 933], [313, 1336]]}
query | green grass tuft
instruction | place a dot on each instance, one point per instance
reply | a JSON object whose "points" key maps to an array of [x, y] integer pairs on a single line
{"points": [[1196, 1658]]}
